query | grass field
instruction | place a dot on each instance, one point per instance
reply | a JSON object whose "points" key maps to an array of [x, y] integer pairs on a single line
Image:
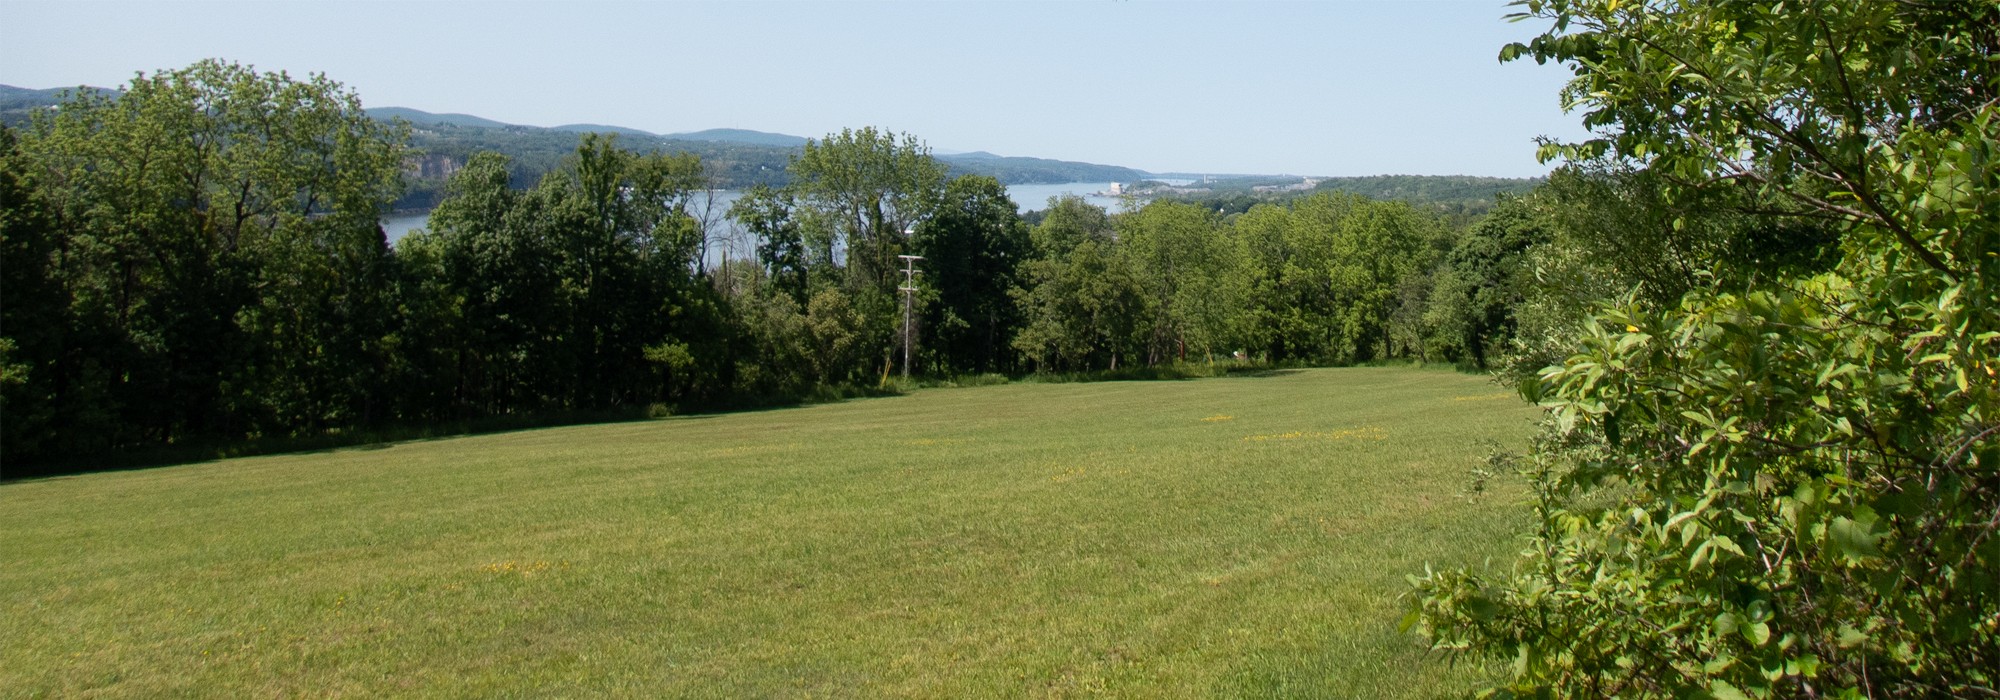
{"points": [[1241, 536]]}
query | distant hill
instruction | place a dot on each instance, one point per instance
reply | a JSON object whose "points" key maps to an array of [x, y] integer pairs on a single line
{"points": [[1410, 188], [419, 117], [1458, 196], [736, 157], [17, 103], [755, 138], [1430, 188], [603, 129], [741, 157], [1021, 171], [10, 95]]}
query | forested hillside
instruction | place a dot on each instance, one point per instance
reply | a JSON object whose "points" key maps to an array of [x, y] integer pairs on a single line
{"points": [[734, 158], [440, 147], [1459, 197], [19, 105]]}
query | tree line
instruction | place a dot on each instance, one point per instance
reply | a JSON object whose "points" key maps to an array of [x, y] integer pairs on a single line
{"points": [[197, 260]]}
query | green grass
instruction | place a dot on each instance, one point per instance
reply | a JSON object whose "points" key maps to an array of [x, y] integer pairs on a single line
{"points": [[1236, 536]]}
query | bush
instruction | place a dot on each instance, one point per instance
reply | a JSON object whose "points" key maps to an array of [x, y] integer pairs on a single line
{"points": [[1791, 488]]}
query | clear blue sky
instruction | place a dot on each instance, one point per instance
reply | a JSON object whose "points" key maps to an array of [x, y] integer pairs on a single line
{"points": [[1333, 87]]}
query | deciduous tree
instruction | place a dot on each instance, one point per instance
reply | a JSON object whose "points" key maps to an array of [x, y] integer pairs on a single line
{"points": [[1787, 489], [219, 255], [973, 245]]}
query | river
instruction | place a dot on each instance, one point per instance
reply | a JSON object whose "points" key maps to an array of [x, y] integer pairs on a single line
{"points": [[734, 242], [1029, 197]]}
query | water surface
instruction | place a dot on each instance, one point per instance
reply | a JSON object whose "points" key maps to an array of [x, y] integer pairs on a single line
{"points": [[732, 241]]}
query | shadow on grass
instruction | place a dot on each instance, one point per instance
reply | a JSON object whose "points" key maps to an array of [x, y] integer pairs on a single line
{"points": [[1263, 373], [386, 437]]}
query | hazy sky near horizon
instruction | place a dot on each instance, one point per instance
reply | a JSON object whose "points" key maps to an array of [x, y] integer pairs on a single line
{"points": [[1326, 87]]}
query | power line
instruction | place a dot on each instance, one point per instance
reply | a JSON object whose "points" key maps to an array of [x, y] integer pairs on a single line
{"points": [[909, 290]]}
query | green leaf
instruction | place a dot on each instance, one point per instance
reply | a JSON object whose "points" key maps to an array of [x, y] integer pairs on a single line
{"points": [[1757, 632], [1854, 540], [1524, 661], [1833, 372], [1718, 664], [1722, 690], [1667, 528], [1805, 666], [1479, 607], [1689, 532], [1726, 623]]}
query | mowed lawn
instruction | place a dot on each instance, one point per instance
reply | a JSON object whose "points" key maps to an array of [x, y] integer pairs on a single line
{"points": [[1241, 536]]}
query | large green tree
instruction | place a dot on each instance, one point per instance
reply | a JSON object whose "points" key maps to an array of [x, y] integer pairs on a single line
{"points": [[1080, 303], [767, 214], [973, 246], [34, 318], [855, 200], [215, 237], [1326, 271], [578, 293], [1482, 281], [1786, 488], [861, 193], [1194, 275]]}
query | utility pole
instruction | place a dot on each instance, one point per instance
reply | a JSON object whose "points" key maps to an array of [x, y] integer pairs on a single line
{"points": [[909, 290]]}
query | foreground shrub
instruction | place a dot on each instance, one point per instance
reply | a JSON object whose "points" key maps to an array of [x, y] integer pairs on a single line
{"points": [[1794, 490]]}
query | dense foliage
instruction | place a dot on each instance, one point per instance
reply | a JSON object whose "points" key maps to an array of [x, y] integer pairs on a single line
{"points": [[577, 293], [230, 282], [200, 256], [1771, 472]]}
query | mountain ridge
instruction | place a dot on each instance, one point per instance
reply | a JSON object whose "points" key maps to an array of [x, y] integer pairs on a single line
{"points": [[742, 157], [418, 117], [760, 138]]}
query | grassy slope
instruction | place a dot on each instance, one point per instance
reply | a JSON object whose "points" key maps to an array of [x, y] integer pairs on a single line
{"points": [[1042, 540]]}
